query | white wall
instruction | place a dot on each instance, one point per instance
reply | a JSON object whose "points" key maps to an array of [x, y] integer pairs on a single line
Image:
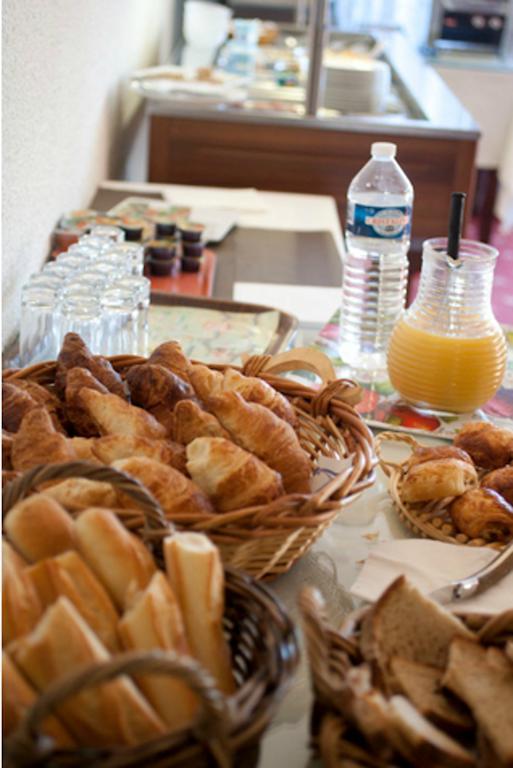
{"points": [[68, 119]]}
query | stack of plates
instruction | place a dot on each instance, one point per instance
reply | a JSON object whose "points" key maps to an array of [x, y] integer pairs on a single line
{"points": [[200, 84], [356, 84]]}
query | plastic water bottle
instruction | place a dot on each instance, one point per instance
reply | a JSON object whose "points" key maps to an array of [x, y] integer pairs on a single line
{"points": [[379, 211]]}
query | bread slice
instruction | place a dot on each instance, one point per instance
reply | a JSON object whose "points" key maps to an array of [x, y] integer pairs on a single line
{"points": [[420, 742], [407, 624], [483, 679], [421, 684]]}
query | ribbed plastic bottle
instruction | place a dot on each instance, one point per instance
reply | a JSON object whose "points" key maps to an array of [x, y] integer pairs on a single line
{"points": [[378, 225]]}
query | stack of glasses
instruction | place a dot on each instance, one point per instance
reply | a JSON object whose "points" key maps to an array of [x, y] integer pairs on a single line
{"points": [[96, 289]]}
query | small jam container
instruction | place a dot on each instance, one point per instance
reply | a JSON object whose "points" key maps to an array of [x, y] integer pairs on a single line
{"points": [[191, 263], [133, 229], [165, 226], [193, 250], [164, 267], [160, 250], [191, 231]]}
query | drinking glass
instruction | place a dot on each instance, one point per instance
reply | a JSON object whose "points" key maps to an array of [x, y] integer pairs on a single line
{"points": [[448, 352], [119, 316], [38, 324], [72, 260], [117, 261], [104, 230], [96, 242], [89, 281], [134, 255], [141, 289], [84, 250], [81, 314], [60, 270]]}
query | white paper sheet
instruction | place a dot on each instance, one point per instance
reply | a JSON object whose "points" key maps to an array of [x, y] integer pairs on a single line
{"points": [[309, 303]]}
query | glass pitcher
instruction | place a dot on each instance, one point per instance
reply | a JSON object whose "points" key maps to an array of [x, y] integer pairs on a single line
{"points": [[448, 352]]}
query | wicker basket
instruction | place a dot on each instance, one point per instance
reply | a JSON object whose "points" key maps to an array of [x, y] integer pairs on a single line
{"points": [[264, 652], [332, 653], [429, 520], [266, 540]]}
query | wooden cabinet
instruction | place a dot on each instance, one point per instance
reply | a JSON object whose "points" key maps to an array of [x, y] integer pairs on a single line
{"points": [[295, 158]]}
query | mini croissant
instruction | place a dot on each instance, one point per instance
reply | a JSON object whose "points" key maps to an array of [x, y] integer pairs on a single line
{"points": [[256, 390], [191, 422], [15, 404], [500, 481], [43, 397], [157, 389], [258, 430], [114, 416], [75, 354], [490, 447], [482, 513], [171, 356], [178, 496], [113, 447], [38, 442], [229, 475], [77, 379], [206, 382]]}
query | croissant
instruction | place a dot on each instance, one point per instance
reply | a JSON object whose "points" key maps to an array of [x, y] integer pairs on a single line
{"points": [[178, 496], [206, 382], [256, 390], [113, 447], [258, 430], [229, 475], [44, 397], [75, 354], [489, 447], [500, 481], [157, 389], [172, 357], [114, 416], [76, 380], [191, 422], [83, 448], [37, 442], [7, 441], [438, 479], [15, 404], [482, 513]]}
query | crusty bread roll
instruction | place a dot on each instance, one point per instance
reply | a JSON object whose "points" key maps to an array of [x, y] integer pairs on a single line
{"points": [[113, 447], [179, 497], [191, 422], [423, 453], [68, 575], [154, 621], [11, 557], [256, 429], [17, 697], [112, 713], [114, 416], [437, 479], [195, 571], [39, 527], [482, 513], [229, 475], [118, 558], [21, 607], [78, 493], [489, 446]]}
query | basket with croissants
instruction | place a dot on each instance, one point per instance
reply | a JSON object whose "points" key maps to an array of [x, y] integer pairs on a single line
{"points": [[122, 650], [226, 451], [405, 682], [460, 493]]}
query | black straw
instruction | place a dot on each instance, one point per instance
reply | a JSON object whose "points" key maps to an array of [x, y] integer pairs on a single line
{"points": [[455, 223]]}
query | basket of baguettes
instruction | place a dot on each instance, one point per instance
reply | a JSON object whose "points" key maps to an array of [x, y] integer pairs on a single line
{"points": [[404, 682], [460, 493], [126, 650], [229, 452]]}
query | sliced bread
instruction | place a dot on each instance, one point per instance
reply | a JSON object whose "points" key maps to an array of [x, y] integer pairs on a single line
{"points": [[420, 742], [483, 679], [421, 684], [405, 623]]}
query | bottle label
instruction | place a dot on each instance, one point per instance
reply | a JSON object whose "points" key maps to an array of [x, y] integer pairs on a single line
{"points": [[379, 221]]}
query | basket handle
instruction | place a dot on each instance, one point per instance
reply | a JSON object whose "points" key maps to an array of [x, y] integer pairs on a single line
{"points": [[389, 467], [213, 721], [21, 487], [300, 359]]}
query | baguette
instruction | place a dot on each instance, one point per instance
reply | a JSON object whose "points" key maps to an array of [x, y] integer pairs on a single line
{"points": [[194, 568], [39, 527], [78, 493], [21, 607], [119, 559], [17, 697], [112, 713], [69, 576], [154, 621]]}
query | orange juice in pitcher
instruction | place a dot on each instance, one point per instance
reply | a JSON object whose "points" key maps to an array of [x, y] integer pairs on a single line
{"points": [[448, 352]]}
